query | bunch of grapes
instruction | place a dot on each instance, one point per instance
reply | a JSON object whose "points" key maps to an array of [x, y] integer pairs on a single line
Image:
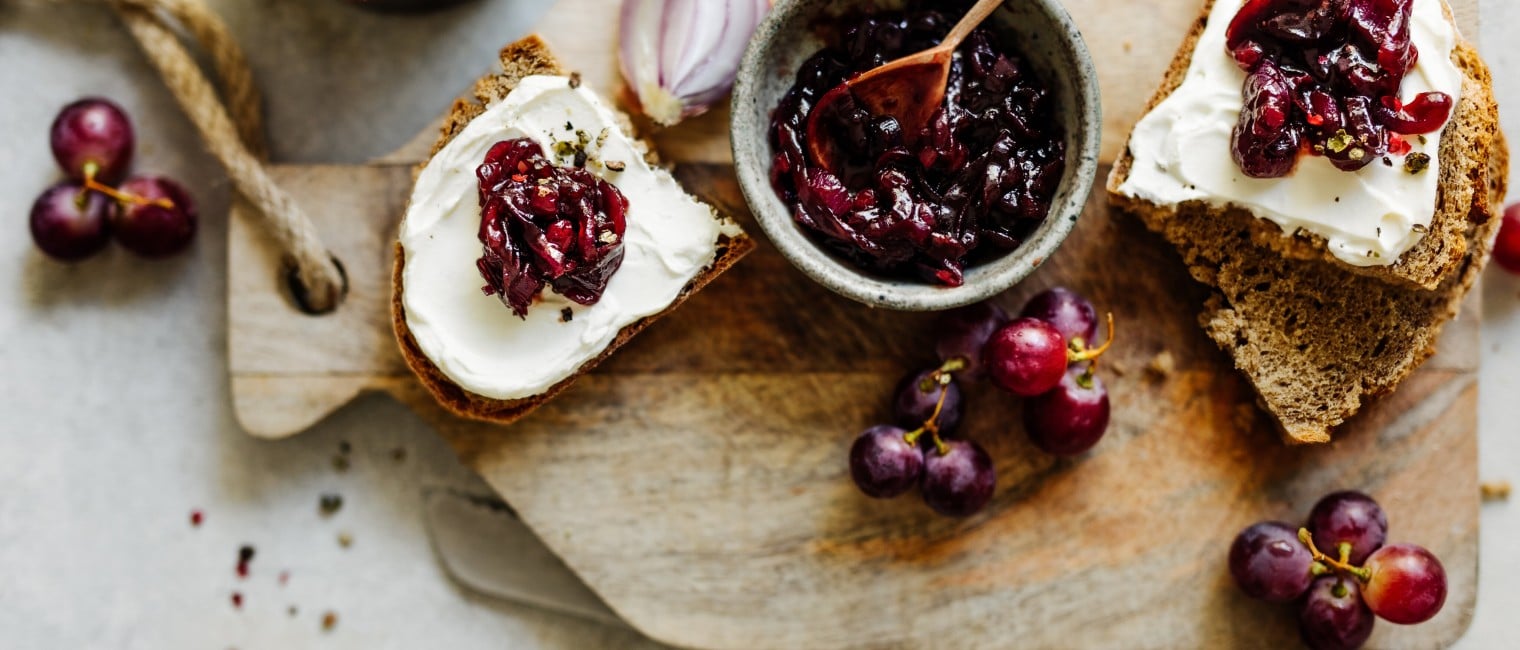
{"points": [[1043, 355], [1341, 594], [93, 142]]}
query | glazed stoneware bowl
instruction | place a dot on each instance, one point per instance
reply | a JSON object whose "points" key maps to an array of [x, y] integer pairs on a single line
{"points": [[1047, 38]]}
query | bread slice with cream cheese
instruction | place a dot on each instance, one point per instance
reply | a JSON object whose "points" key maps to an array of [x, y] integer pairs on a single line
{"points": [[521, 60], [1317, 337]]}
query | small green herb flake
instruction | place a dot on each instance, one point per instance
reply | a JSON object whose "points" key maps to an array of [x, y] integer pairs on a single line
{"points": [[1416, 162], [1339, 142]]}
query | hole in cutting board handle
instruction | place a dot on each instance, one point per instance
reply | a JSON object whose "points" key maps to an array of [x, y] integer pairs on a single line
{"points": [[299, 294]]}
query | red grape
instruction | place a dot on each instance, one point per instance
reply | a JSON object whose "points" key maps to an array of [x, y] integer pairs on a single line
{"points": [[1350, 517], [69, 223], [1407, 584], [1333, 616], [1507, 246], [883, 464], [1269, 563], [1070, 418], [147, 227], [93, 131], [1071, 314], [964, 332], [1027, 357], [912, 405], [959, 482]]}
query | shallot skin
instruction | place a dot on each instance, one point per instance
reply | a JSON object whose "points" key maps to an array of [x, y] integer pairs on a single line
{"points": [[679, 57]]}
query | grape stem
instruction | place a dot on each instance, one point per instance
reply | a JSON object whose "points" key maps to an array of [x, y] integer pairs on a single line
{"points": [[1085, 380], [92, 168], [940, 377], [1078, 351], [1343, 564]]}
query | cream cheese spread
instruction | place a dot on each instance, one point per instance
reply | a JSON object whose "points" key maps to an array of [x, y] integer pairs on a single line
{"points": [[473, 338], [1371, 217]]}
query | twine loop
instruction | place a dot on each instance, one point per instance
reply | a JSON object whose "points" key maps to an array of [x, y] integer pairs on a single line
{"points": [[233, 131]]}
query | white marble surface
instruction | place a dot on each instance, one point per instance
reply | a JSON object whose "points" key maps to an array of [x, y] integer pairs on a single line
{"points": [[115, 421]]}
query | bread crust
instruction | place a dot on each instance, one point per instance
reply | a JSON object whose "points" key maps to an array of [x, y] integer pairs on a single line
{"points": [[1314, 336], [523, 58]]}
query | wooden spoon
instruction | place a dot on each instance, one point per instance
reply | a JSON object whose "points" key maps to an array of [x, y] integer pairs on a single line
{"points": [[909, 89]]}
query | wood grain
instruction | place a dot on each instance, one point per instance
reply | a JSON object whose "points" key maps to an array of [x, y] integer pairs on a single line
{"points": [[697, 479], [706, 499]]}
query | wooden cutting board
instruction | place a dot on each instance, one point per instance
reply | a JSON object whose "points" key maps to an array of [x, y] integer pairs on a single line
{"points": [[697, 480]]}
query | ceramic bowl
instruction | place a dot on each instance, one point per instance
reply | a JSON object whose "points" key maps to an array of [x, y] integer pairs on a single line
{"points": [[1047, 38]]}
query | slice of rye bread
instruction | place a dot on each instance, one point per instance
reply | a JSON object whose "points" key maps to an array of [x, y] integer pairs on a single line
{"points": [[1462, 163], [1314, 340], [529, 56]]}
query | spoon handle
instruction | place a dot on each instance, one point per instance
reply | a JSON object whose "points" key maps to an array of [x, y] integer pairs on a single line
{"points": [[978, 13]]}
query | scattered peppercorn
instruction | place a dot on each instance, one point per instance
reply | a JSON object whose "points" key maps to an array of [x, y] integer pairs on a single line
{"points": [[330, 504], [340, 463], [291, 611], [398, 454], [1416, 163], [329, 621], [566, 315], [575, 80], [245, 555]]}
